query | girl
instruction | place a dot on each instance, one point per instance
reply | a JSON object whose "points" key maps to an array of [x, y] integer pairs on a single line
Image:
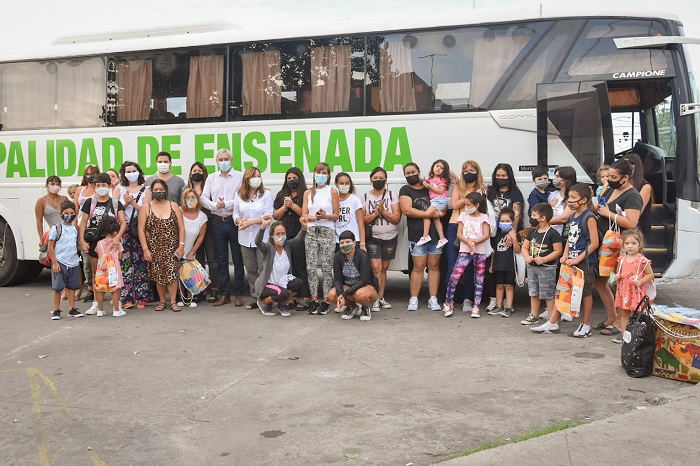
{"points": [[85, 191], [195, 222], [351, 216], [114, 183], [602, 175], [438, 182], [564, 179], [474, 232], [633, 273], [321, 208], [207, 254], [110, 230], [503, 262]]}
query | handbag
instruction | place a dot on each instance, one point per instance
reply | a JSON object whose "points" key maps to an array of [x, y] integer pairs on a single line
{"points": [[637, 355], [134, 225]]}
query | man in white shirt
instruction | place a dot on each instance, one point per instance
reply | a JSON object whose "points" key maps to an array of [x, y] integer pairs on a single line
{"points": [[217, 196]]}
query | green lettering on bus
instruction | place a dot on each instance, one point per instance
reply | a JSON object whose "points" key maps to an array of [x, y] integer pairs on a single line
{"points": [[88, 155], [337, 151], [3, 152], [398, 152], [34, 171], [112, 153], [236, 155], [147, 149], [277, 151], [66, 153], [362, 137], [202, 153], [303, 150], [168, 145], [50, 157], [15, 161], [254, 151]]}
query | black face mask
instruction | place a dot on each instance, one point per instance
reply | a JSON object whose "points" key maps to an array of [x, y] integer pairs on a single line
{"points": [[160, 195], [615, 184], [470, 177], [197, 177], [502, 182], [534, 222], [90, 178], [413, 179], [293, 184], [379, 184]]}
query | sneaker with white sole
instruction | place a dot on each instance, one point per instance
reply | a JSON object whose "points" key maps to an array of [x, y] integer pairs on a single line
{"points": [[383, 304], [100, 313], [193, 304], [494, 312], [284, 310], [56, 315], [467, 305], [566, 318], [583, 331], [433, 304], [340, 310], [323, 308], [365, 314], [181, 303], [265, 309], [423, 240], [441, 243], [547, 327], [545, 315], [375, 306], [447, 309], [119, 313], [413, 304], [476, 313], [530, 320], [506, 312], [93, 309], [75, 312], [349, 313], [492, 305]]}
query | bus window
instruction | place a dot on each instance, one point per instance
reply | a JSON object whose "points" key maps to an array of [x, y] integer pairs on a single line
{"points": [[626, 130], [666, 126], [52, 94]]}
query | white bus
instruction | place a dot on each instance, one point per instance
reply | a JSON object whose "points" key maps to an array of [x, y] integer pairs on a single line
{"points": [[523, 88]]}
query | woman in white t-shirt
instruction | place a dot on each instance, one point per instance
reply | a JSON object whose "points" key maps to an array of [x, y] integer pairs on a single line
{"points": [[564, 178], [352, 215], [195, 227]]}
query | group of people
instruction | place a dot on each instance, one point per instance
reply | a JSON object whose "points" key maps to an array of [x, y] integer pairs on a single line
{"points": [[149, 226]]}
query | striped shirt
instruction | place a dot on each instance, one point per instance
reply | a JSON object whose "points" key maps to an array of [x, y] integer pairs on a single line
{"points": [[66, 247]]}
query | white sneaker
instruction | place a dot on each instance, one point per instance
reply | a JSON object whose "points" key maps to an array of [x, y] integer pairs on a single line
{"points": [[93, 309], [365, 314], [492, 305], [546, 328], [181, 304], [193, 304], [349, 312], [566, 318], [447, 309], [340, 310], [441, 243], [413, 304], [100, 313], [545, 315], [476, 313], [467, 305], [383, 304], [119, 313], [583, 331], [433, 304], [423, 240], [375, 306]]}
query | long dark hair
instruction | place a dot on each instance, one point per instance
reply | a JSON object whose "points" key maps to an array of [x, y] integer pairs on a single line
{"points": [[445, 171], [623, 167], [568, 174], [122, 173], [512, 185], [476, 198], [342, 174], [637, 177], [190, 183], [286, 191]]}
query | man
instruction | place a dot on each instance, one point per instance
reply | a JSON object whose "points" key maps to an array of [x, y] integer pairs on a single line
{"points": [[175, 184], [355, 286], [217, 196]]}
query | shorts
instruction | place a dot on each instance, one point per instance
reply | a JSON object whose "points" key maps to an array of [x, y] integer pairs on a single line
{"points": [[589, 274], [424, 249], [504, 278], [541, 281], [68, 277], [91, 250], [440, 203], [384, 249]]}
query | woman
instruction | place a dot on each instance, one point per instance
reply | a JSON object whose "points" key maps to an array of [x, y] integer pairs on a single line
{"points": [[564, 178], [162, 237], [207, 254], [471, 181], [47, 207], [251, 204], [321, 208], [276, 282], [137, 290], [83, 193], [195, 222], [351, 216], [623, 197], [115, 182], [382, 217], [645, 190], [287, 209]]}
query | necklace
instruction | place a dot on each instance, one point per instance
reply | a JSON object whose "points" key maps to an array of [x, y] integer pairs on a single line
{"points": [[55, 204]]}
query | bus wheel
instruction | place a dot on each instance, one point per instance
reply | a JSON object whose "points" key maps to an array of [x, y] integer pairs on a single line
{"points": [[34, 268], [11, 270]]}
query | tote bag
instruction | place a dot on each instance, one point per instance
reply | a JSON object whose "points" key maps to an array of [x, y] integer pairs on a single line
{"points": [[569, 291], [610, 250]]}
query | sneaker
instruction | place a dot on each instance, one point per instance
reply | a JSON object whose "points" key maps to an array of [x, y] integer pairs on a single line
{"points": [[323, 308], [433, 304], [492, 305], [93, 309], [303, 305], [193, 304], [119, 313], [566, 318], [546, 328], [412, 304], [506, 311], [349, 313], [544, 315], [284, 310], [340, 310], [582, 331], [423, 240], [265, 309], [375, 306], [530, 320], [365, 314], [494, 312], [181, 303], [467, 305], [75, 313], [56, 315], [476, 313], [447, 309], [89, 297], [441, 243], [617, 341], [100, 313], [313, 308], [383, 304]]}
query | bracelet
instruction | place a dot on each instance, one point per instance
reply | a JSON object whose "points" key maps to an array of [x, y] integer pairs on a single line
{"points": [[182, 243]]}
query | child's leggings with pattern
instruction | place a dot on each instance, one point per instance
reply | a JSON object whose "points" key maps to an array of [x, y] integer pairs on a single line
{"points": [[463, 261]]}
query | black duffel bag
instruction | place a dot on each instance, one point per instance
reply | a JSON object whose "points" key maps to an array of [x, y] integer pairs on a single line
{"points": [[638, 342]]}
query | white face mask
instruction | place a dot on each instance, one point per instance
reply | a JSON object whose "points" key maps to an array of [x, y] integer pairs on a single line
{"points": [[255, 182], [470, 210], [344, 188], [163, 167], [132, 176], [102, 191]]}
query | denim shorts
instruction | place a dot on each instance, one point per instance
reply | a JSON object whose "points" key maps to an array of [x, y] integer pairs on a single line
{"points": [[424, 249], [384, 249], [440, 203]]}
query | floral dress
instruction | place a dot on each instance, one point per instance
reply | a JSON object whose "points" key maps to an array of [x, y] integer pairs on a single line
{"points": [[628, 294], [162, 237]]}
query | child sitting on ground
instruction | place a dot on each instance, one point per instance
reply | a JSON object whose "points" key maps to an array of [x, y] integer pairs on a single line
{"points": [[503, 262], [65, 262], [437, 183]]}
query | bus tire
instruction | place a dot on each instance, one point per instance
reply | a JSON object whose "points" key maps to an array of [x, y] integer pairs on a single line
{"points": [[34, 268], [12, 270]]}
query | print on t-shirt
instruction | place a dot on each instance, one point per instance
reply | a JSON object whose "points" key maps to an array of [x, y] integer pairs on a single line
{"points": [[350, 273], [574, 233]]}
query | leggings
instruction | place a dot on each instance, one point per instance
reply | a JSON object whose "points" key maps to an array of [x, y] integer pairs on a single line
{"points": [[320, 242], [463, 260], [279, 294]]}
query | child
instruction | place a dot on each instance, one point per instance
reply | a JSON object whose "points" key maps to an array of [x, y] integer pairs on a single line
{"points": [[109, 229], [541, 249], [540, 178], [65, 267], [602, 180], [71, 191], [71, 195], [503, 262], [474, 233], [437, 183], [633, 273]]}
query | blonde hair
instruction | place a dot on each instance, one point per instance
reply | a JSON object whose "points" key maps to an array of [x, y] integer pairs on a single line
{"points": [[636, 234], [318, 167], [244, 191], [601, 169], [462, 185], [183, 204]]}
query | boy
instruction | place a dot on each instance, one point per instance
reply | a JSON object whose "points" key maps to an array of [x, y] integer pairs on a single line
{"points": [[65, 263], [541, 249], [540, 177]]}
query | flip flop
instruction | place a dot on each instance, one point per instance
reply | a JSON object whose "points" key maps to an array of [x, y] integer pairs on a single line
{"points": [[599, 326], [610, 330]]}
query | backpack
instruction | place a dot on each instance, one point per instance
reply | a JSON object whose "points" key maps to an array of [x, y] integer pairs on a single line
{"points": [[586, 231], [193, 277], [44, 258], [92, 234]]}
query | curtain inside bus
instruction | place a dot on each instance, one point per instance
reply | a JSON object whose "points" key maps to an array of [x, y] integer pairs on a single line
{"points": [[205, 88], [262, 83], [492, 57], [396, 92], [135, 89], [330, 78]]}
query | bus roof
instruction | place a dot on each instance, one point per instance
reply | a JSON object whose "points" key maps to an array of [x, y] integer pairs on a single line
{"points": [[202, 31]]}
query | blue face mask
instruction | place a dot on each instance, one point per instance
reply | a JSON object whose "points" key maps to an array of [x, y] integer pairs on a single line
{"points": [[505, 227], [321, 179], [68, 218], [225, 165]]}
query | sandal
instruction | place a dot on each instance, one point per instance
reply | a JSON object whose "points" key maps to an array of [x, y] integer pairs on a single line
{"points": [[599, 326], [160, 306], [610, 330], [253, 305], [174, 307]]}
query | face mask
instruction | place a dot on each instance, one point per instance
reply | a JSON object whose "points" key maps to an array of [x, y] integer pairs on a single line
{"points": [[542, 184], [54, 189], [197, 177], [557, 182], [280, 240], [347, 248], [133, 177], [255, 182], [320, 179], [502, 182], [293, 184], [379, 184], [163, 167], [470, 177], [225, 165], [615, 184], [102, 191], [505, 227], [90, 178], [68, 218], [470, 210], [344, 188], [159, 195], [413, 179], [534, 222], [191, 203], [575, 205]]}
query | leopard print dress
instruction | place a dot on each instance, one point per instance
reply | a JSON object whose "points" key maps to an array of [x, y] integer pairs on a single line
{"points": [[162, 238]]}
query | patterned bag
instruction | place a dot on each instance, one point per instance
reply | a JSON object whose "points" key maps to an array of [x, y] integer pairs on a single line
{"points": [[637, 355], [677, 346], [106, 275], [610, 250], [194, 277], [569, 291]]}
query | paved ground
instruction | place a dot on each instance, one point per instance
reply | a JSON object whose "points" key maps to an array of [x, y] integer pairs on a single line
{"points": [[213, 386]]}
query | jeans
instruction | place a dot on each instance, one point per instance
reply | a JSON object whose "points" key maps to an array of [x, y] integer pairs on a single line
{"points": [[451, 251], [226, 237]]}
